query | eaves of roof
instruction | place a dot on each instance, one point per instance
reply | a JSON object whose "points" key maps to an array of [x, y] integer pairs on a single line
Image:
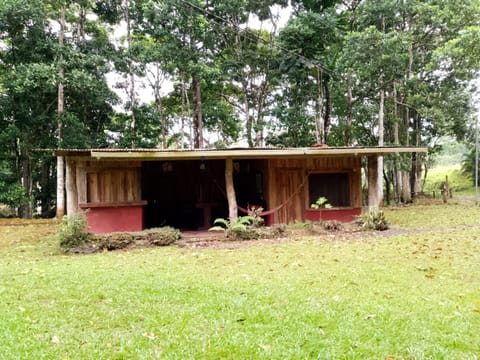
{"points": [[234, 153]]}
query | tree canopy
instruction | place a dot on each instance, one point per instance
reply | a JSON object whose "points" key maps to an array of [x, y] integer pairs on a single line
{"points": [[212, 73]]}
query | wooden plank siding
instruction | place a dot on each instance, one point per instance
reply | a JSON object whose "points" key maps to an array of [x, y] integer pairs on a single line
{"points": [[287, 176], [108, 181]]}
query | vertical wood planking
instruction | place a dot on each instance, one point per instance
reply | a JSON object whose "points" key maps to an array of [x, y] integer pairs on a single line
{"points": [[81, 180]]}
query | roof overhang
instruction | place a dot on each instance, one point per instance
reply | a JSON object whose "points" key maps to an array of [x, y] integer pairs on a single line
{"points": [[237, 153]]}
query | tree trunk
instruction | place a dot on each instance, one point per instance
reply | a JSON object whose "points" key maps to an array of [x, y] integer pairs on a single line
{"points": [[231, 197], [416, 170], [348, 127], [328, 108], [319, 123], [131, 75], [262, 93], [60, 109], [185, 103], [197, 114], [396, 176], [248, 118], [26, 211], [380, 143], [159, 107]]}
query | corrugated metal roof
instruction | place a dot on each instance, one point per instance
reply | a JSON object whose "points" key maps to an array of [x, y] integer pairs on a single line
{"points": [[234, 153]]}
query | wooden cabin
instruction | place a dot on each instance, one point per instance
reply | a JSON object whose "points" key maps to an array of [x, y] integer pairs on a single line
{"points": [[134, 189]]}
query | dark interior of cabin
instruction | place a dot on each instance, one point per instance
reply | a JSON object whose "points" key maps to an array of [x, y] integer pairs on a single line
{"points": [[190, 194], [333, 186]]}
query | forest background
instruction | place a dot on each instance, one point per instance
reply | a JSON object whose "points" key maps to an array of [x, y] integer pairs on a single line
{"points": [[224, 73]]}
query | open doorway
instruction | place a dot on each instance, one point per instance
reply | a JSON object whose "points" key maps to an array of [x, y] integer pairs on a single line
{"points": [[187, 195]]}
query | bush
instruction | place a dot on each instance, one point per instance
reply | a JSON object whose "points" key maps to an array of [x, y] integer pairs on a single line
{"points": [[373, 220], [120, 240], [332, 225], [246, 228], [114, 241], [6, 212], [72, 231], [163, 236]]}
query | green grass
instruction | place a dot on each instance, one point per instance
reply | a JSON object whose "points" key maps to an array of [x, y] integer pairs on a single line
{"points": [[414, 295], [458, 182]]}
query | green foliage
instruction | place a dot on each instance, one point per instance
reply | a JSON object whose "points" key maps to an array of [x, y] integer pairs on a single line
{"points": [[248, 228], [458, 180], [256, 214], [6, 212], [321, 203], [332, 225], [257, 301], [240, 229], [72, 231], [163, 236], [112, 241], [373, 220], [468, 166], [13, 194]]}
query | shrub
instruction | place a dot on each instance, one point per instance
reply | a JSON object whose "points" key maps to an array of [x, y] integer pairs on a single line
{"points": [[332, 225], [120, 240], [114, 241], [163, 236], [246, 228], [6, 212], [72, 231], [373, 220], [243, 228], [273, 231]]}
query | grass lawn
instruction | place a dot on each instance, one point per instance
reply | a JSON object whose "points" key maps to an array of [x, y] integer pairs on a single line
{"points": [[414, 294]]}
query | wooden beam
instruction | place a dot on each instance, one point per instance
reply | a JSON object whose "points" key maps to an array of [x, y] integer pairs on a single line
{"points": [[71, 187], [232, 200]]}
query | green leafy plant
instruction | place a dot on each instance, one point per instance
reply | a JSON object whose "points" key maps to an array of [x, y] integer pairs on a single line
{"points": [[243, 228], [321, 203], [373, 220], [72, 231], [256, 214]]}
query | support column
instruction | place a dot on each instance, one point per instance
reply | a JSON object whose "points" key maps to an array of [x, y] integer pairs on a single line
{"points": [[60, 187], [232, 200], [373, 184], [71, 187]]}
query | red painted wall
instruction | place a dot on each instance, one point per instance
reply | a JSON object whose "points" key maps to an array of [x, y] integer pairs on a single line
{"points": [[342, 215], [113, 219]]}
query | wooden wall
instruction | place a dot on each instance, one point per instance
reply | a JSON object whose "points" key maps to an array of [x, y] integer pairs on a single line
{"points": [[290, 176], [107, 182]]}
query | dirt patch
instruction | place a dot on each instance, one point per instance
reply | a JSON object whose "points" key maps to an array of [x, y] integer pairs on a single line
{"points": [[347, 232]]}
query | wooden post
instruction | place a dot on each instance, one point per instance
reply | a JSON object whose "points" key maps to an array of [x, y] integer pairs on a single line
{"points": [[81, 180], [232, 200], [373, 183], [71, 187], [445, 190], [60, 187]]}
